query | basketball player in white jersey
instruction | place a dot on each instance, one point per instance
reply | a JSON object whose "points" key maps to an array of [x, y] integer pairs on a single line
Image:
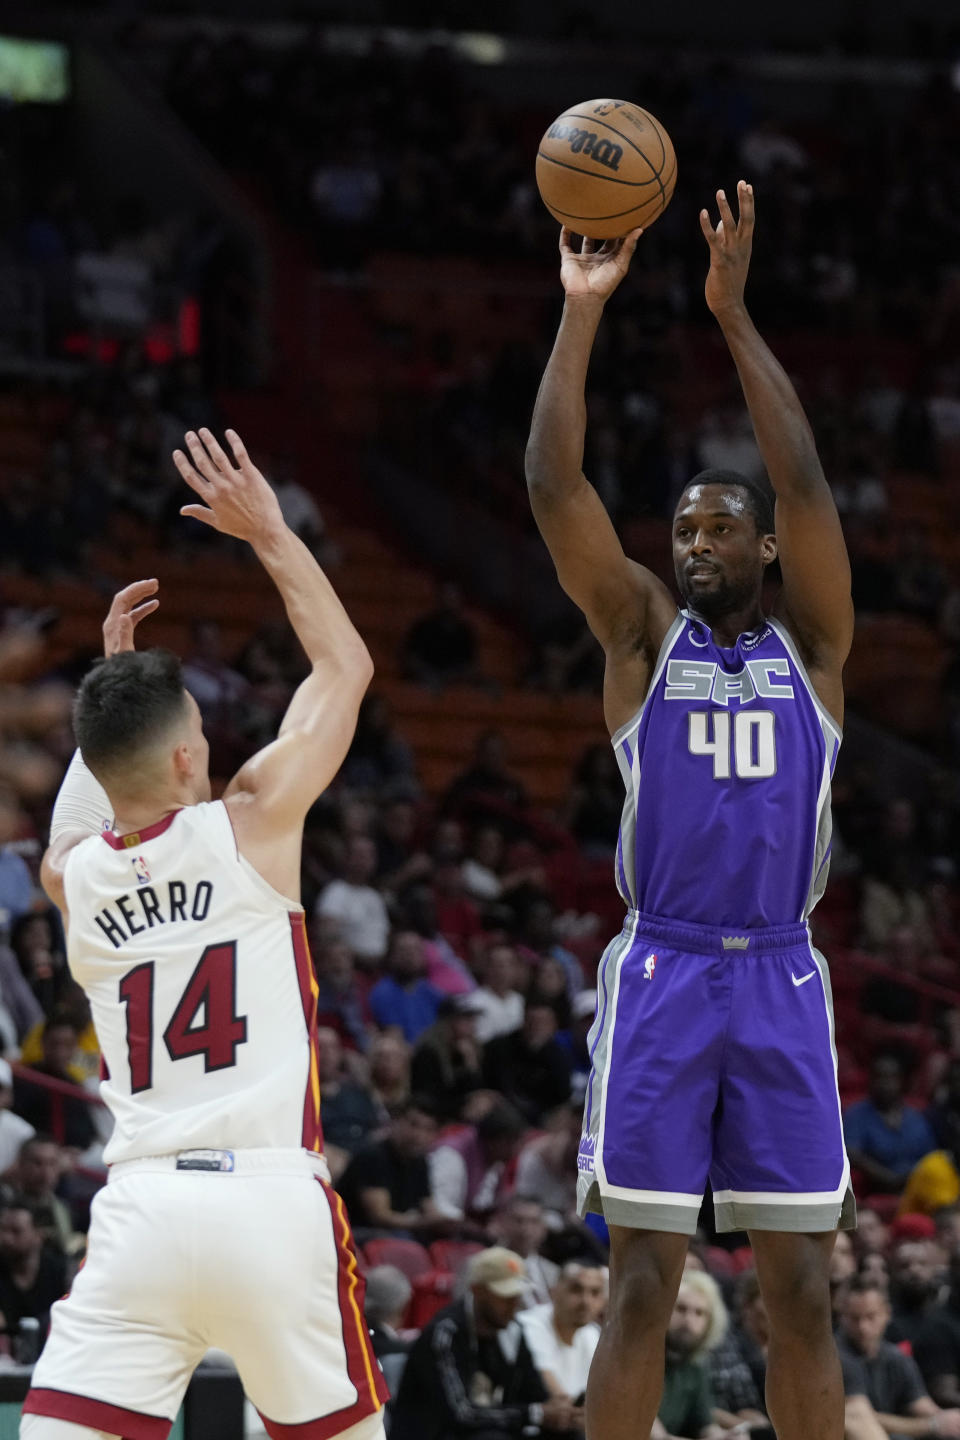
{"points": [[218, 1226]]}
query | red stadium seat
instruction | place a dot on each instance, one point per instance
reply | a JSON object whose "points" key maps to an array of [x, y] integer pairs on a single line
{"points": [[452, 1255], [407, 1255], [431, 1292]]}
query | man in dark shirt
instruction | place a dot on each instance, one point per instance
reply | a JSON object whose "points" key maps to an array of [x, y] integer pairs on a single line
{"points": [[916, 1277], [894, 1384], [441, 647], [347, 1111], [529, 1066], [386, 1186], [937, 1346], [32, 1275], [470, 1374]]}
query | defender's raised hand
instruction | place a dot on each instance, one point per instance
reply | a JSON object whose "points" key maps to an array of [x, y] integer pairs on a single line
{"points": [[595, 270], [730, 246], [127, 610], [237, 500]]}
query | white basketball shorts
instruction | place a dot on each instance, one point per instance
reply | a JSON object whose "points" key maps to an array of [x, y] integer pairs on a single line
{"points": [[255, 1258]]}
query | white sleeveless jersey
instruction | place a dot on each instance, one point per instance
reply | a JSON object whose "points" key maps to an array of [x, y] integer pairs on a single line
{"points": [[202, 991]]}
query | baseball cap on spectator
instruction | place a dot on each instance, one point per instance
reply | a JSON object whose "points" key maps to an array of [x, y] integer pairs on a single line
{"points": [[6, 1074], [913, 1227], [459, 1005], [500, 1270]]}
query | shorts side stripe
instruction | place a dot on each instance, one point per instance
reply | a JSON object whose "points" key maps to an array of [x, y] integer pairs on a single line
{"points": [[96, 1414], [604, 1056], [312, 1134], [362, 1367]]}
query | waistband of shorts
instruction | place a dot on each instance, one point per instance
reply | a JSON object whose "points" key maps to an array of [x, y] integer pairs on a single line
{"points": [[201, 1161], [716, 939]]}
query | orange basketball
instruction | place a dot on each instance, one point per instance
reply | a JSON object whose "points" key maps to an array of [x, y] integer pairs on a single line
{"points": [[605, 167]]}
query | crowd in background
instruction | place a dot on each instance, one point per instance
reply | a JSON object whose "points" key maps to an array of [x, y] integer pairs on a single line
{"points": [[456, 978]]}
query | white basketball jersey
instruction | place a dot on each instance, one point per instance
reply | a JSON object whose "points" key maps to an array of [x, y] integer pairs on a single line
{"points": [[201, 987]]}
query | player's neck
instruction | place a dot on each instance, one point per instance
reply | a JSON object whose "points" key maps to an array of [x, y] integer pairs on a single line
{"points": [[133, 813], [727, 628]]}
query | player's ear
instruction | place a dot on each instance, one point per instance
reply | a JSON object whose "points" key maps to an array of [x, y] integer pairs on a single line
{"points": [[768, 549], [183, 762]]}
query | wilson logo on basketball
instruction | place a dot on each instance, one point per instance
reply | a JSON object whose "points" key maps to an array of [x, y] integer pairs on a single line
{"points": [[586, 142]]}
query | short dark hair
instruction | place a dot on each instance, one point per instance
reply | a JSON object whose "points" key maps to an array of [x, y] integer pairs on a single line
{"points": [[125, 704], [759, 498], [503, 1122], [865, 1285]]}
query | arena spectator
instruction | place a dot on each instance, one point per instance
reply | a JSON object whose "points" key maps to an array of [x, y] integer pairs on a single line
{"points": [[14, 1130], [446, 970], [404, 996], [341, 998], [67, 1118], [440, 648], [596, 802], [470, 1373], [484, 876], [843, 1266], [389, 1062], [562, 1334], [536, 939], [698, 1322], [547, 1166], [894, 1385], [387, 1297], [498, 1001], [357, 907], [36, 940], [468, 1171], [35, 1178], [218, 689], [16, 997], [737, 1397], [378, 755], [937, 1346], [872, 1234], [528, 1065], [944, 1114], [399, 860], [519, 1224], [347, 1111], [386, 1186], [916, 1280], [885, 1136], [32, 1274], [16, 884], [458, 918], [487, 786], [447, 1061], [549, 986]]}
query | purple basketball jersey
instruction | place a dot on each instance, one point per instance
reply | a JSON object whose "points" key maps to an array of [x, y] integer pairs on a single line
{"points": [[727, 768]]}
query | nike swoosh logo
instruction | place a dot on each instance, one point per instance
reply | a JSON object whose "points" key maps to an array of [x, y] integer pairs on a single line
{"points": [[803, 978]]}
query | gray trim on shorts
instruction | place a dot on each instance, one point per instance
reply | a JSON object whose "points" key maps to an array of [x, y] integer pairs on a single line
{"points": [[637, 1214], [787, 1219]]}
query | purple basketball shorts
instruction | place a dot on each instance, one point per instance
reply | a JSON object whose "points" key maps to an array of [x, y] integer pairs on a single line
{"points": [[713, 1058]]}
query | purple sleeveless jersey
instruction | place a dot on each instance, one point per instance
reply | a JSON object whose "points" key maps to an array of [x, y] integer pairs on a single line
{"points": [[727, 768]]}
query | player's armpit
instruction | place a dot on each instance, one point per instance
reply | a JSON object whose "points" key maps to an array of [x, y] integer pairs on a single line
{"points": [[590, 561], [54, 863]]}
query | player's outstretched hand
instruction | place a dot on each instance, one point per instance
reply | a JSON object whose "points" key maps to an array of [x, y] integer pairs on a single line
{"points": [[128, 609], [595, 270], [237, 500], [730, 246]]}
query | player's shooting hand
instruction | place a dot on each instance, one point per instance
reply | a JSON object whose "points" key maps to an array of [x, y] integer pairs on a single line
{"points": [[128, 609], [730, 246], [595, 270], [237, 500]]}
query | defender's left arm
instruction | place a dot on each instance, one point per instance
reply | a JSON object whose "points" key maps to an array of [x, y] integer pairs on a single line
{"points": [[815, 603]]}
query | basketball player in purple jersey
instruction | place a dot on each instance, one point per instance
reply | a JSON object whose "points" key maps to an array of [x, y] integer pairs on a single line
{"points": [[712, 1049]]}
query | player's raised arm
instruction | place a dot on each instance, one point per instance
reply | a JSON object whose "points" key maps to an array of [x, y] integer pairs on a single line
{"points": [[82, 808], [278, 785], [815, 603], [591, 565]]}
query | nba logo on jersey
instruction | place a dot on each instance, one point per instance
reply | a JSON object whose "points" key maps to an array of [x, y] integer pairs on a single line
{"points": [[649, 965], [140, 867]]}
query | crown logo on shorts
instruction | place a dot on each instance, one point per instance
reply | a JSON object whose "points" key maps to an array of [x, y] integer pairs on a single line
{"points": [[736, 942]]}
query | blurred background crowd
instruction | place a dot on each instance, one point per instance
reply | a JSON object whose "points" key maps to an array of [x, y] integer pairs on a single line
{"points": [[328, 235]]}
